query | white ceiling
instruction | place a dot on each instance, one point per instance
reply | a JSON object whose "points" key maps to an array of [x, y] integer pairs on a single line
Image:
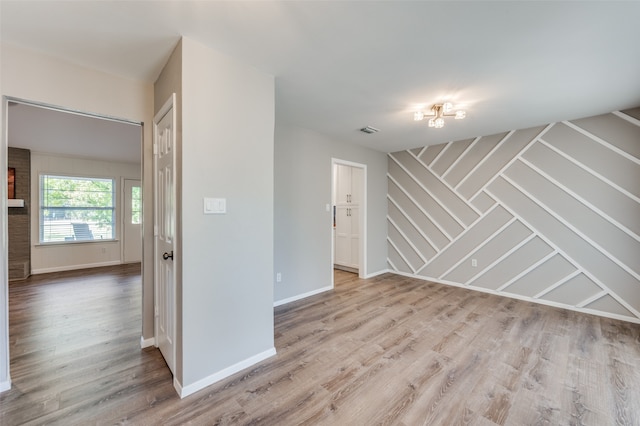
{"points": [[52, 131], [340, 65]]}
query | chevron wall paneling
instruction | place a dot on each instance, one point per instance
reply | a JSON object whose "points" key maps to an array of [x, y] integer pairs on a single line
{"points": [[548, 214]]}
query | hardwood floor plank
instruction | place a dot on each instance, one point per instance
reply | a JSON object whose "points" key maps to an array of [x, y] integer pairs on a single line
{"points": [[389, 350], [584, 395]]}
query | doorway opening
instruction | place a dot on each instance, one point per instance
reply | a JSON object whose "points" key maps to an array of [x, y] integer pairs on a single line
{"points": [[349, 216], [66, 145]]}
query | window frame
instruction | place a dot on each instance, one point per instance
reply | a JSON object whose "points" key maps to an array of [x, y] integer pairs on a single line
{"points": [[41, 208]]}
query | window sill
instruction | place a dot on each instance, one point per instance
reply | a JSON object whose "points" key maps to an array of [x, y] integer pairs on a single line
{"points": [[65, 243]]}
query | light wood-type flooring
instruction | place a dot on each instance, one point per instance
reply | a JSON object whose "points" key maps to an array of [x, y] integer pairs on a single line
{"points": [[387, 350]]}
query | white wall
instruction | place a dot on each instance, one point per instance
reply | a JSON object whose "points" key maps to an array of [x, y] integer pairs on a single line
{"points": [[64, 257], [227, 260], [303, 226], [37, 77]]}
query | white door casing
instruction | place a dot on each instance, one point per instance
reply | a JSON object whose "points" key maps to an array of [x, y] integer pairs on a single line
{"points": [[164, 136], [132, 221]]}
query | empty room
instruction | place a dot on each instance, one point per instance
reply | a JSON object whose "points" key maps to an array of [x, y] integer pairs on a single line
{"points": [[320, 212]]}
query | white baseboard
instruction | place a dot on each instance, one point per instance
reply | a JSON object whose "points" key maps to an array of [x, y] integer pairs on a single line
{"points": [[375, 274], [178, 387], [5, 386], [145, 343], [525, 298], [74, 267], [301, 296], [321, 290], [216, 377]]}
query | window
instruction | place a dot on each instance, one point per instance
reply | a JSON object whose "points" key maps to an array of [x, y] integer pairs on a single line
{"points": [[136, 205], [76, 209]]}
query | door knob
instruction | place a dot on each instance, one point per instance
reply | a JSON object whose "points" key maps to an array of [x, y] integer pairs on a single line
{"points": [[166, 255]]}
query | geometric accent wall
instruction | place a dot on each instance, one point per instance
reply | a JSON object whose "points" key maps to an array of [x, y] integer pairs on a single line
{"points": [[549, 214]]}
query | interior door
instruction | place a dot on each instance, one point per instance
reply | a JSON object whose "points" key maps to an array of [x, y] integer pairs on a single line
{"points": [[343, 189], [132, 218], [343, 236], [354, 237], [164, 231]]}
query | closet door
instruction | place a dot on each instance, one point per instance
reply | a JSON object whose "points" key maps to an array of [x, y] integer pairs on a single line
{"points": [[354, 237], [356, 186], [347, 237], [343, 184], [343, 237], [349, 183]]}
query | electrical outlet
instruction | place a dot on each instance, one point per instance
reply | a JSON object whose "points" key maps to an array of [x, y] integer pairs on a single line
{"points": [[278, 277], [474, 263]]}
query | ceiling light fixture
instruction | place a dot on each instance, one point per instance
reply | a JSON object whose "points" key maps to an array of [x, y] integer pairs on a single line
{"points": [[437, 114]]}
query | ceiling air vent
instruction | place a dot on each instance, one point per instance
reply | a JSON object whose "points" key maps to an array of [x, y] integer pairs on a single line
{"points": [[369, 130]]}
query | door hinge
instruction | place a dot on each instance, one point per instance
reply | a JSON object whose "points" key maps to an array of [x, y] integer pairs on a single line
{"points": [[155, 149], [155, 311], [155, 231]]}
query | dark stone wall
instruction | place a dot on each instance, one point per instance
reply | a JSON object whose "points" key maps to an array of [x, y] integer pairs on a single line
{"points": [[19, 217]]}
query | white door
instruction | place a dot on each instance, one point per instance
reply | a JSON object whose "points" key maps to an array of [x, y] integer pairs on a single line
{"points": [[164, 231], [343, 186], [348, 189], [354, 237], [343, 237], [357, 185], [132, 218], [347, 244]]}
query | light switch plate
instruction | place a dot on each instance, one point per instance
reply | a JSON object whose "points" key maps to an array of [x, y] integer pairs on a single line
{"points": [[215, 206]]}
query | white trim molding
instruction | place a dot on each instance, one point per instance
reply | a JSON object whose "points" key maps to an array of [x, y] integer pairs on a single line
{"points": [[5, 386], [184, 391], [301, 296], [145, 343], [74, 267], [375, 274], [524, 298]]}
